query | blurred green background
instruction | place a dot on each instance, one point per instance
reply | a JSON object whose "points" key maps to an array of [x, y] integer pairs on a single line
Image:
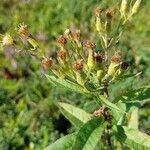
{"points": [[29, 118]]}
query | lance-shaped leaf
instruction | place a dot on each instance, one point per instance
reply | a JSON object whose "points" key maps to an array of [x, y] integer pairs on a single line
{"points": [[89, 134], [107, 103], [75, 115], [132, 137], [64, 143], [134, 95], [66, 84]]}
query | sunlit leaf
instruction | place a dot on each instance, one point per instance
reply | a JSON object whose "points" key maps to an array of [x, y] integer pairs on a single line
{"points": [[75, 115], [66, 84], [133, 138], [134, 95]]}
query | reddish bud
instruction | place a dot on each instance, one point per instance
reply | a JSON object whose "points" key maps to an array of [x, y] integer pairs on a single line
{"points": [[78, 65], [98, 12], [90, 45], [116, 58], [61, 54], [62, 40], [47, 63]]}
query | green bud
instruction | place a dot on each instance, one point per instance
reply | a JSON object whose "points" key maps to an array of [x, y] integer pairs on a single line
{"points": [[112, 69], [33, 42], [91, 61], [100, 75]]}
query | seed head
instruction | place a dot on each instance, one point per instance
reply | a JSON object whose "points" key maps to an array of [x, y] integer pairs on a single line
{"points": [[78, 65], [90, 45], [98, 12], [61, 54], [23, 30], [62, 40], [47, 63], [116, 58], [7, 40]]}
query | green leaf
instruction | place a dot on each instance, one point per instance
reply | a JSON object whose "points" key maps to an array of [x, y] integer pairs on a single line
{"points": [[133, 119], [133, 138], [89, 134], [134, 95], [107, 103], [67, 84], [75, 115], [64, 143]]}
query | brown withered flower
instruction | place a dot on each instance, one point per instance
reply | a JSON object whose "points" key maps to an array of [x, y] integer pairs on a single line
{"points": [[47, 63], [61, 54], [116, 57], [90, 45], [125, 65], [62, 40], [98, 11], [78, 65], [109, 14], [98, 57], [23, 30]]}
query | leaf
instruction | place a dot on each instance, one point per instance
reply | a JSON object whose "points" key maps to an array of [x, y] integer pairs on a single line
{"points": [[107, 103], [133, 119], [75, 115], [134, 95], [67, 84], [89, 134], [64, 143], [133, 138]]}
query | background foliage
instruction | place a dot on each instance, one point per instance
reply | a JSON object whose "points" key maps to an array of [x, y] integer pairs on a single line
{"points": [[29, 118]]}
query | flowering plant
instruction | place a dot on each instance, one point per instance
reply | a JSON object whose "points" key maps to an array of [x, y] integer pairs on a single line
{"points": [[83, 67]]}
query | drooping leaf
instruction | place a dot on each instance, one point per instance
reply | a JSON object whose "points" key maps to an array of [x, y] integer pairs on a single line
{"points": [[64, 143], [75, 115], [107, 103], [89, 134], [132, 137], [134, 95], [66, 84]]}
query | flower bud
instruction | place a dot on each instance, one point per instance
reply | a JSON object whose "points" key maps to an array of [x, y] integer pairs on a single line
{"points": [[33, 42], [100, 74], [135, 7], [98, 23], [61, 55], [91, 61], [7, 40], [68, 34], [77, 38], [80, 75], [121, 69], [114, 64], [47, 63], [62, 40], [23, 30], [109, 15]]}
